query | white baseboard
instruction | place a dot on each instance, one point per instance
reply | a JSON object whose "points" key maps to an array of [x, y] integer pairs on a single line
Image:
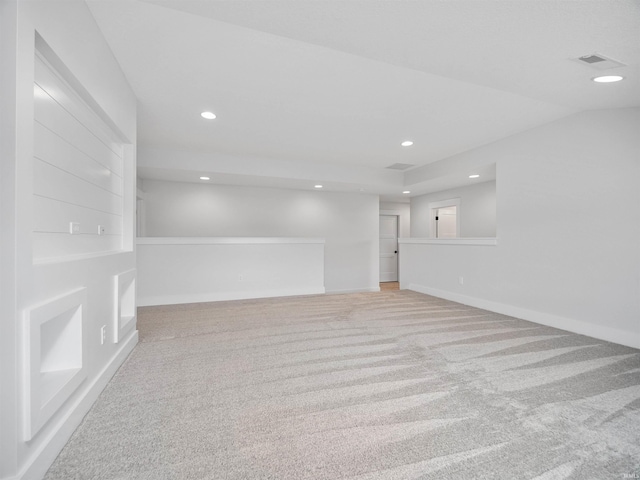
{"points": [[222, 296], [36, 466], [629, 339]]}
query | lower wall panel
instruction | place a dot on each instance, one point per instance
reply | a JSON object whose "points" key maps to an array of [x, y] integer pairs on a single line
{"points": [[483, 273], [222, 296], [173, 271], [596, 331]]}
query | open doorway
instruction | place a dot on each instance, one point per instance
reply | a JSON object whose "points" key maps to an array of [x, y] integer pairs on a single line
{"points": [[140, 224], [445, 218]]}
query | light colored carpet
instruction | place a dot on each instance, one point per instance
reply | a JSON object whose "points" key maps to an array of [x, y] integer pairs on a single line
{"points": [[389, 385]]}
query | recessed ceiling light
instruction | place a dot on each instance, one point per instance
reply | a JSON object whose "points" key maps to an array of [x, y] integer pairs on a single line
{"points": [[208, 115], [317, 186], [474, 176], [407, 143], [607, 79], [205, 178], [407, 191]]}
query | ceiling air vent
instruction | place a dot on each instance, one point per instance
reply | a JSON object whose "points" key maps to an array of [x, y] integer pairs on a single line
{"points": [[599, 62], [400, 166], [592, 59]]}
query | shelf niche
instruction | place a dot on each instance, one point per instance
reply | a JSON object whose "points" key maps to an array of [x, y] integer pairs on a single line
{"points": [[54, 357]]}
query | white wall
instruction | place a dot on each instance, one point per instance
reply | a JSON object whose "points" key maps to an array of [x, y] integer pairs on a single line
{"points": [[477, 210], [568, 210], [175, 270], [29, 286], [347, 222], [8, 287]]}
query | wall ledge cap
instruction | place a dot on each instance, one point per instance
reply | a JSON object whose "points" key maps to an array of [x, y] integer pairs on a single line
{"points": [[486, 241], [226, 240]]}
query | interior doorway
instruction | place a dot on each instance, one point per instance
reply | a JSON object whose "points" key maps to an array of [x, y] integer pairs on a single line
{"points": [[139, 216], [388, 248], [445, 218]]}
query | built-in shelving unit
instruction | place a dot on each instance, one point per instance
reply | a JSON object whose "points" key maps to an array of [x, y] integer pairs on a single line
{"points": [[78, 171]]}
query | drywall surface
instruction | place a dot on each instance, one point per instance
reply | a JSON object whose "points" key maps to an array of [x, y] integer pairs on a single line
{"points": [[568, 210], [201, 269], [477, 210], [347, 222], [53, 308]]}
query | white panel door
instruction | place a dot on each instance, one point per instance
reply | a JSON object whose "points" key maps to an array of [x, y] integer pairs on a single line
{"points": [[446, 222], [388, 248]]}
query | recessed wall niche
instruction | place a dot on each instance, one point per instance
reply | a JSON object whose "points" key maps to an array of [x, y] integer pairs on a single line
{"points": [[78, 167], [54, 357], [125, 304]]}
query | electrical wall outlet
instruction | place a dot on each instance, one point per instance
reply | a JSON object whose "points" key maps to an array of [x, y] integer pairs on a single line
{"points": [[103, 334], [461, 280], [100, 230], [74, 228]]}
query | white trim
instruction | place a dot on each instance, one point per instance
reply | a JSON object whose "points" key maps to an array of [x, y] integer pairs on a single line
{"points": [[391, 212], [36, 465], [218, 297], [491, 241], [629, 339], [225, 240], [452, 202]]}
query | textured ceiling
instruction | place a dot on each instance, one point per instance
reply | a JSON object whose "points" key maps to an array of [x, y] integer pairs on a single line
{"points": [[342, 83]]}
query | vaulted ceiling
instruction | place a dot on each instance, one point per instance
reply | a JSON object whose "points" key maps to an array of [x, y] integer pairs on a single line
{"points": [[310, 91]]}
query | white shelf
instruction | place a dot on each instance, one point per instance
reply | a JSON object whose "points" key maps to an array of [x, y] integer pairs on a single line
{"points": [[52, 383]]}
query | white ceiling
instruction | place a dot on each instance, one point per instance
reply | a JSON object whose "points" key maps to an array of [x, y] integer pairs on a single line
{"points": [[329, 85]]}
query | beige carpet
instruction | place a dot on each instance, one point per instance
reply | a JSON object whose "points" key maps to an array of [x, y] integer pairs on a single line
{"points": [[389, 385]]}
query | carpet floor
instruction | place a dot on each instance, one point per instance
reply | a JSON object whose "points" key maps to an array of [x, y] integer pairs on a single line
{"points": [[389, 385]]}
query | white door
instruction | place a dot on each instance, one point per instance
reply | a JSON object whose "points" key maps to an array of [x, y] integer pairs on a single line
{"points": [[446, 222], [445, 218], [388, 248]]}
